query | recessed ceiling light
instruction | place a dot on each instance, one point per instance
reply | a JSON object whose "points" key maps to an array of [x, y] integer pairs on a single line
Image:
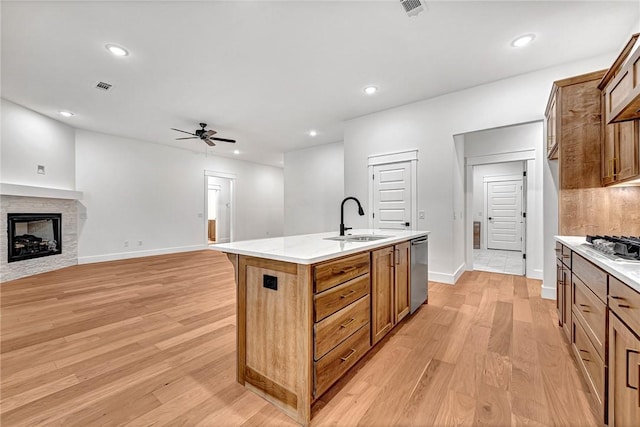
{"points": [[117, 50], [313, 133], [370, 90], [523, 40], [66, 113], [236, 151]]}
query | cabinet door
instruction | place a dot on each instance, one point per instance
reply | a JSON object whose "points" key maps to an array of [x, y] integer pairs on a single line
{"points": [[382, 278], [552, 152], [609, 153], [568, 301], [624, 377], [402, 280], [560, 292], [627, 156]]}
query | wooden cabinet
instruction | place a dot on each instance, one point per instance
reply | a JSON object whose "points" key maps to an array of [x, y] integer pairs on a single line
{"points": [[390, 288], [382, 293], [563, 287], [620, 152], [624, 376], [402, 281], [550, 116], [621, 86], [342, 313]]}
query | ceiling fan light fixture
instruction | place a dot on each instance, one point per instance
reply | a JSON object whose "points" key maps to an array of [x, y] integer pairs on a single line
{"points": [[523, 40], [370, 90], [117, 50], [66, 113]]}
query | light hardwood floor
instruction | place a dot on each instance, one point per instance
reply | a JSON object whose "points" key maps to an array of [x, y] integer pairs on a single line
{"points": [[151, 341]]}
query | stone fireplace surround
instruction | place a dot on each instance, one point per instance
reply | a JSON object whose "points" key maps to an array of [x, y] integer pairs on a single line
{"points": [[39, 202]]}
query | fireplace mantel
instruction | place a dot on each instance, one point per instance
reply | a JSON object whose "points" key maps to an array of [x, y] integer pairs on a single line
{"points": [[44, 192]]}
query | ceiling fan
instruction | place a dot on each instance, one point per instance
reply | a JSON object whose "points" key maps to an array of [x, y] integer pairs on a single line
{"points": [[205, 135]]}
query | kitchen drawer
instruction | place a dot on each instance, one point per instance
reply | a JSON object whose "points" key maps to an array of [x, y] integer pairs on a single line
{"points": [[338, 297], [590, 364], [331, 367], [566, 256], [625, 302], [591, 276], [558, 250], [335, 328], [591, 313], [333, 273]]}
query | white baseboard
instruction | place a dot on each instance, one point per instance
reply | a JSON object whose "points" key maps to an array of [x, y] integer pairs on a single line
{"points": [[536, 274], [459, 272], [548, 292], [137, 254]]}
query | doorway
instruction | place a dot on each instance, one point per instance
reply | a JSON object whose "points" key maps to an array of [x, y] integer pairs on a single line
{"points": [[499, 195], [219, 202]]}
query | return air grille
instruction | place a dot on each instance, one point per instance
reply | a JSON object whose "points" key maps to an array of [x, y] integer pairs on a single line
{"points": [[412, 7], [103, 86]]}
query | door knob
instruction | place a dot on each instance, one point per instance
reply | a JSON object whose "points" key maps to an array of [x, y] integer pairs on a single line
{"points": [[490, 218]]}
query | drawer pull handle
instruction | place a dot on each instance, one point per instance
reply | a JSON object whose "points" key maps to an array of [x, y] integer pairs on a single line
{"points": [[351, 353], [586, 360], [624, 306], [351, 292], [347, 323], [346, 270], [616, 297], [583, 305], [584, 351]]}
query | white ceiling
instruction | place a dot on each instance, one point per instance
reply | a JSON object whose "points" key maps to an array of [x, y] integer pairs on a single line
{"points": [[266, 72]]}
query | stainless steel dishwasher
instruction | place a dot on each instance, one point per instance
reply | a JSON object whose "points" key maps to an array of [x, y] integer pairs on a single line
{"points": [[419, 271]]}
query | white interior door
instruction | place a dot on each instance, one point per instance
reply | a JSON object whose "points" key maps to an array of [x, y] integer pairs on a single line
{"points": [[392, 196], [504, 212]]}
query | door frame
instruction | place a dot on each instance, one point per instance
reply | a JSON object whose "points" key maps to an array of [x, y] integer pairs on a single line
{"points": [[232, 196], [408, 156], [528, 158], [523, 195]]}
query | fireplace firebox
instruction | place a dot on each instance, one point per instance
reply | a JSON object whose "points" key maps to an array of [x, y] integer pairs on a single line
{"points": [[34, 235]]}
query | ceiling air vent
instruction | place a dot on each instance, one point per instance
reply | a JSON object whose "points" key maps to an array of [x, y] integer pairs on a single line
{"points": [[103, 86], [412, 7]]}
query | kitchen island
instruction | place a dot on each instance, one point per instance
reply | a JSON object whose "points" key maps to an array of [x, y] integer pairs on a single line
{"points": [[310, 306]]}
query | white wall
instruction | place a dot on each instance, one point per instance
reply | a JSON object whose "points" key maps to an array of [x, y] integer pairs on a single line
{"points": [[139, 191], [430, 127], [30, 139], [313, 188]]}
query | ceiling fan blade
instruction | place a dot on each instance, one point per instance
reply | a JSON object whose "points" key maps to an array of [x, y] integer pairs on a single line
{"points": [[189, 137], [209, 142], [210, 133], [183, 131], [225, 140]]}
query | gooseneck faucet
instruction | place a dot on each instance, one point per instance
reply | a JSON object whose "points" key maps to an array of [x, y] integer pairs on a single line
{"points": [[360, 211]]}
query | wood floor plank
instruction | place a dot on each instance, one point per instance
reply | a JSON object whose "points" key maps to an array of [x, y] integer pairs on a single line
{"points": [[151, 341]]}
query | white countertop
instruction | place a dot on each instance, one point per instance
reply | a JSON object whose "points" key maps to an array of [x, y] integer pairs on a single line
{"points": [[313, 248], [625, 271]]}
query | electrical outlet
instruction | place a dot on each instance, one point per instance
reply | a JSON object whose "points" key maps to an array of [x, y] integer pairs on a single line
{"points": [[126, 243], [139, 242], [200, 215], [41, 169], [421, 215]]}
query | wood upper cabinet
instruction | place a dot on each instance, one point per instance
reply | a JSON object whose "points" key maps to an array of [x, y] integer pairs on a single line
{"points": [[620, 152], [550, 116], [621, 85], [624, 376], [382, 292], [402, 281]]}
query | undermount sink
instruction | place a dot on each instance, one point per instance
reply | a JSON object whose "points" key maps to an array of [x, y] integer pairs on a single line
{"points": [[358, 238]]}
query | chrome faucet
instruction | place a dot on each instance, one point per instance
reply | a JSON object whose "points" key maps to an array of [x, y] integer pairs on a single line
{"points": [[360, 211]]}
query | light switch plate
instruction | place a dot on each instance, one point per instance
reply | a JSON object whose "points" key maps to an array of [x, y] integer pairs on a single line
{"points": [[41, 169]]}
